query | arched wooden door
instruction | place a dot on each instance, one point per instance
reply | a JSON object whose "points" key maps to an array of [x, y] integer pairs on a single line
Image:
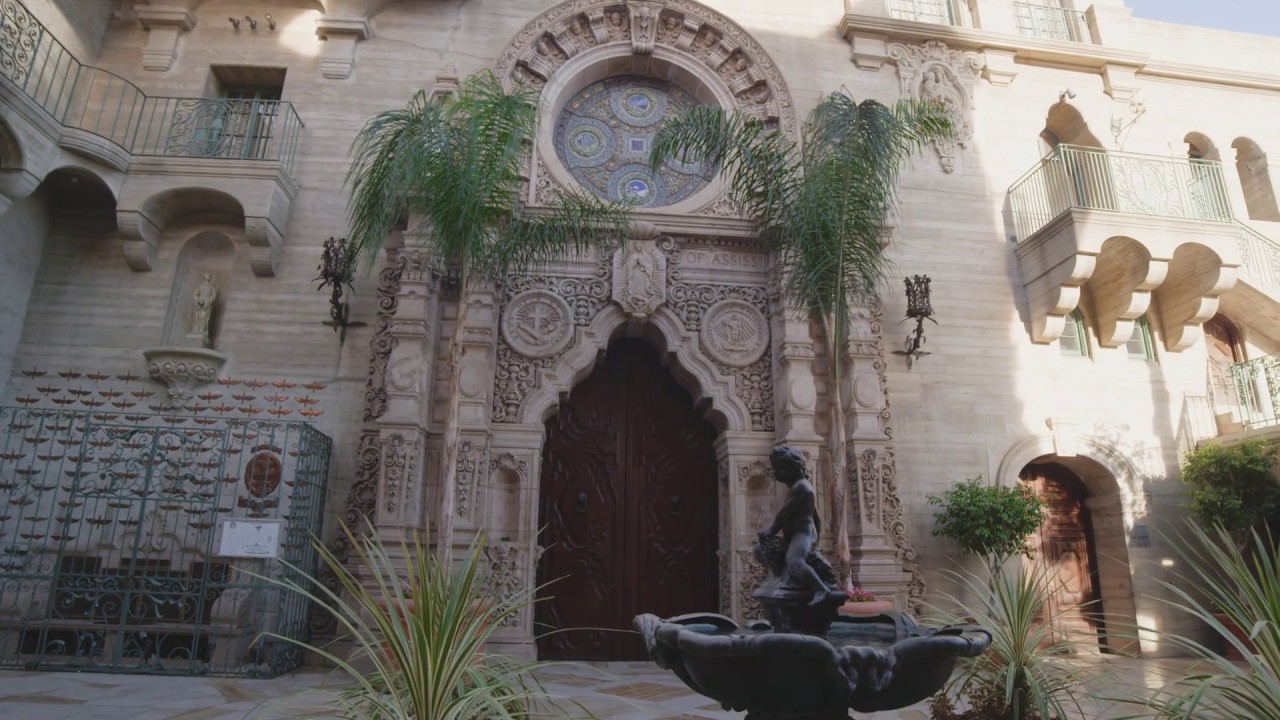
{"points": [[1065, 544], [1222, 346], [627, 507]]}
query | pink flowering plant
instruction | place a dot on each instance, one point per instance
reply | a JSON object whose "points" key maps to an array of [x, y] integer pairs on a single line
{"points": [[857, 594]]}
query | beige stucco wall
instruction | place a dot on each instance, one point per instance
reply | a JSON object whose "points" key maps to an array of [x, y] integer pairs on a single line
{"points": [[956, 414]]}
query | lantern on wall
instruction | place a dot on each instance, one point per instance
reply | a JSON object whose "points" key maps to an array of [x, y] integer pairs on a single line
{"points": [[919, 308], [337, 271]]}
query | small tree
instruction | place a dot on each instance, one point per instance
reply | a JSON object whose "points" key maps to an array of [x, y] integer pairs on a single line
{"points": [[990, 521], [1234, 488]]}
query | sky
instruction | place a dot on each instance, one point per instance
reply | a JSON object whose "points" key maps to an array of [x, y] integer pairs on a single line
{"points": [[1252, 16]]}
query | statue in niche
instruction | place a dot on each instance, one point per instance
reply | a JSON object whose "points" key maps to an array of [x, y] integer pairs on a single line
{"points": [[794, 563], [202, 307], [639, 277]]}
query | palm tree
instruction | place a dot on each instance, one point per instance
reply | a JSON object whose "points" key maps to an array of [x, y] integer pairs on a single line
{"points": [[453, 165], [822, 205]]}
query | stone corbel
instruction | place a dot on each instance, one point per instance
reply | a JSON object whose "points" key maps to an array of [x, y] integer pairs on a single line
{"points": [[1187, 299], [15, 185], [1121, 292], [266, 245], [868, 52], [447, 84], [340, 33], [999, 69], [140, 236], [644, 26], [164, 25], [1120, 82]]}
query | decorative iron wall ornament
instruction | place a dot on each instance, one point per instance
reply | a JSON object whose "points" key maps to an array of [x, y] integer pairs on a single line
{"points": [[337, 269], [919, 308]]}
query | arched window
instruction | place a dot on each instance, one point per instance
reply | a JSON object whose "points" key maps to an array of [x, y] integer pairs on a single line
{"points": [[1140, 344], [1255, 180], [1074, 341]]}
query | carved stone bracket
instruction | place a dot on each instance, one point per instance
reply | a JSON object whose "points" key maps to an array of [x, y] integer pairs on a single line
{"points": [[183, 370], [341, 34], [164, 25], [933, 71]]}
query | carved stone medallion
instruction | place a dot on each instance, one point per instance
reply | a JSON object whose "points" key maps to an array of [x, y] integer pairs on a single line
{"points": [[537, 324], [639, 278], [735, 333], [933, 71]]}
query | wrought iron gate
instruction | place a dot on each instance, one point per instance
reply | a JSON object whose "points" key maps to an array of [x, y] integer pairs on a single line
{"points": [[144, 546]]}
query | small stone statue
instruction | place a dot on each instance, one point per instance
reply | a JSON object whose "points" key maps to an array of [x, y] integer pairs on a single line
{"points": [[800, 592], [202, 302]]}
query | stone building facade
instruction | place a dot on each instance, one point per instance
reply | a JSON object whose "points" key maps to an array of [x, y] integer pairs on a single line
{"points": [[1100, 260]]}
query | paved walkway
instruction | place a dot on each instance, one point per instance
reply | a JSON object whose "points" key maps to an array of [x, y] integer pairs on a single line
{"points": [[615, 691]]}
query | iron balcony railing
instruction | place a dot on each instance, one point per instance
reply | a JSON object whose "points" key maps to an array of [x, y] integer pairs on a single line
{"points": [[1051, 22], [937, 12], [1091, 178], [103, 103], [1251, 391], [1259, 258]]}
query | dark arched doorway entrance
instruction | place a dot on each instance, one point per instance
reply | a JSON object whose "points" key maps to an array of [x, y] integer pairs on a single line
{"points": [[627, 507], [1065, 544]]}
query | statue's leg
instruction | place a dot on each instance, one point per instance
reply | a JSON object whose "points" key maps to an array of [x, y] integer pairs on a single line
{"points": [[798, 569]]}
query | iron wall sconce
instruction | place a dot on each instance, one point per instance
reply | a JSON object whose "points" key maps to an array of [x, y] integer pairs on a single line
{"points": [[337, 270], [919, 308]]}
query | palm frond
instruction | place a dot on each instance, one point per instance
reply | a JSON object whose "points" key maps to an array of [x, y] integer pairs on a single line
{"points": [[577, 222]]}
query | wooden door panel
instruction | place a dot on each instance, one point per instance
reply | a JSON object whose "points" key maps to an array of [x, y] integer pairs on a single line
{"points": [[1065, 547], [629, 507]]}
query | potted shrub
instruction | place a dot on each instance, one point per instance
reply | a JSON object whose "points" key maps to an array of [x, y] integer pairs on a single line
{"points": [[863, 602], [1234, 488], [990, 521]]}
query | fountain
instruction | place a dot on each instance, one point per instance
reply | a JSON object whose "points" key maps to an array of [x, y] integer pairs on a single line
{"points": [[808, 662]]}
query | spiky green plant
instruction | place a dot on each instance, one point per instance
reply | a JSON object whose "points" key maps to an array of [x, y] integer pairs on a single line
{"points": [[416, 633], [1220, 577], [1028, 672], [822, 205], [452, 165]]}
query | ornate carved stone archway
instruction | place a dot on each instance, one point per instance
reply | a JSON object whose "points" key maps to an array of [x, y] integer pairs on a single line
{"points": [[580, 42]]}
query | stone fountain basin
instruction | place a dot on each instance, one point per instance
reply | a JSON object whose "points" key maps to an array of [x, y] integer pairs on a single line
{"points": [[881, 662]]}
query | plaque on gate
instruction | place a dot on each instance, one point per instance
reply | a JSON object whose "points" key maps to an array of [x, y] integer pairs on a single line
{"points": [[250, 538]]}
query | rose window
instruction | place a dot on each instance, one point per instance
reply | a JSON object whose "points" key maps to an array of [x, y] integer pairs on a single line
{"points": [[604, 135]]}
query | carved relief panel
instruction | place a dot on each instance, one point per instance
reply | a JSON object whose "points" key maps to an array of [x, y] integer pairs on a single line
{"points": [[933, 71]]}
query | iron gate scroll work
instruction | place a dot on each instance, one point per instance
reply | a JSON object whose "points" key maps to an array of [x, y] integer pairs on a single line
{"points": [[123, 545]]}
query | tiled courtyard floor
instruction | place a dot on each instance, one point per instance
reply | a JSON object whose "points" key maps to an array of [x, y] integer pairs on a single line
{"points": [[616, 691]]}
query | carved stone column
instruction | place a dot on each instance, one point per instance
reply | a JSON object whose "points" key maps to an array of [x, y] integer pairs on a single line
{"points": [[402, 426], [509, 515], [878, 541], [476, 358], [748, 501]]}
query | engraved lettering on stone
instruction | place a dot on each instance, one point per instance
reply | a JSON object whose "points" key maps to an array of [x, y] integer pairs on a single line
{"points": [[537, 324], [735, 333]]}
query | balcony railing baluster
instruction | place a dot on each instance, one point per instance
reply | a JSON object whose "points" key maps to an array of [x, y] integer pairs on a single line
{"points": [[1096, 179], [103, 103]]}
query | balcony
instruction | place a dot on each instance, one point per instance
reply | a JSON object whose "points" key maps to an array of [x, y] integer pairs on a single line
{"points": [[110, 119], [1048, 22], [1127, 229], [178, 153], [936, 12]]}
